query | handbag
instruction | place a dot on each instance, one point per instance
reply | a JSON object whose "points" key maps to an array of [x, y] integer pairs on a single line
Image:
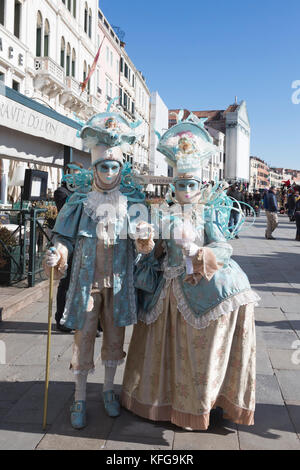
{"points": [[147, 274]]}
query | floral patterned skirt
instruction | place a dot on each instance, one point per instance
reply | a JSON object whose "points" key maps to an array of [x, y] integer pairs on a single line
{"points": [[177, 373]]}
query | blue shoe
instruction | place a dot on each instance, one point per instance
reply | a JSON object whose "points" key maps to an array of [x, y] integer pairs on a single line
{"points": [[111, 403], [78, 414]]}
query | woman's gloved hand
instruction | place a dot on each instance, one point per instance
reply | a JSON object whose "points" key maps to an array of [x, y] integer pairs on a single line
{"points": [[144, 231], [144, 237], [187, 244]]}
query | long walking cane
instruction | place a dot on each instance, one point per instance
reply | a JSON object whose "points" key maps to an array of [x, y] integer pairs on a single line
{"points": [[48, 347]]}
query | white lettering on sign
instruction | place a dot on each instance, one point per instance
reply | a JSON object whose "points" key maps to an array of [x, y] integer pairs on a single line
{"points": [[18, 115], [11, 53]]}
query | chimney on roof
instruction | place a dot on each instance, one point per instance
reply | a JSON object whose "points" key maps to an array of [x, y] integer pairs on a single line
{"points": [[236, 100]]}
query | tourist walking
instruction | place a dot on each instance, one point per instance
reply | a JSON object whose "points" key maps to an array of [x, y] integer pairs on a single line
{"points": [[271, 208], [235, 194], [297, 212]]}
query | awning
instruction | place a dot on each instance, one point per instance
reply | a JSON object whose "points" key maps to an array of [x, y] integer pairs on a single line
{"points": [[13, 154]]}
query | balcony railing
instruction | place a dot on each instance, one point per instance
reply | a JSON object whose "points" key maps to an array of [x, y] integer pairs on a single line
{"points": [[95, 102], [46, 64], [74, 86]]}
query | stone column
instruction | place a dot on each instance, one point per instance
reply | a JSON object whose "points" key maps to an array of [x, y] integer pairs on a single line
{"points": [[4, 168]]}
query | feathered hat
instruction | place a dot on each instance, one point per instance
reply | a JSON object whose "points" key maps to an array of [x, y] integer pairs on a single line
{"points": [[108, 135], [187, 146]]}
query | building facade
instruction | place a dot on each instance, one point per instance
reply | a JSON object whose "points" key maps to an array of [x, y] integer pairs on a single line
{"points": [[234, 124], [47, 48], [159, 123], [259, 174], [275, 177]]}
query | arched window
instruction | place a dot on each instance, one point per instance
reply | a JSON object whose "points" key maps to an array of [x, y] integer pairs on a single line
{"points": [[69, 5], [90, 23], [73, 62], [74, 8], [39, 27], [84, 70], [68, 62], [2, 11], [89, 82], [62, 52], [46, 38], [86, 18]]}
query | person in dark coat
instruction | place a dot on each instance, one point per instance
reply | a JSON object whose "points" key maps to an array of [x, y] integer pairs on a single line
{"points": [[60, 197], [234, 193], [271, 210], [257, 202], [291, 204], [297, 212]]}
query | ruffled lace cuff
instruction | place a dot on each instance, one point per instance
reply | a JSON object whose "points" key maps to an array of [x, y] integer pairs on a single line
{"points": [[144, 246], [204, 265]]}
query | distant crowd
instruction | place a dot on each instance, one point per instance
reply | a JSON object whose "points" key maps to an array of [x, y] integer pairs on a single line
{"points": [[285, 200]]}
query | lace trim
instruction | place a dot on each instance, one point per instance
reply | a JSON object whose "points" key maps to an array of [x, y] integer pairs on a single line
{"points": [[83, 372], [93, 206], [226, 306], [115, 363]]}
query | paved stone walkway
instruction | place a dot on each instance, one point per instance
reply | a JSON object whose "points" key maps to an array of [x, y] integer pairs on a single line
{"points": [[273, 268]]}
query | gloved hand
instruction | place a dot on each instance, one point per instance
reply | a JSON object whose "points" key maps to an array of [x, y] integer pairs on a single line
{"points": [[144, 231], [144, 237], [52, 257], [187, 241], [189, 248]]}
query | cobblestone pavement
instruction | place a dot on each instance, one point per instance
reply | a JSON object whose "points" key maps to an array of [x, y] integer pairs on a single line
{"points": [[273, 269]]}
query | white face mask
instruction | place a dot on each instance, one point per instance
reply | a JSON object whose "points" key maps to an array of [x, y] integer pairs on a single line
{"points": [[187, 191], [108, 171]]}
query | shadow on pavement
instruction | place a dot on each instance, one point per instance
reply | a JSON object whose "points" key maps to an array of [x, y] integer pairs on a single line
{"points": [[25, 411], [280, 325], [27, 328]]}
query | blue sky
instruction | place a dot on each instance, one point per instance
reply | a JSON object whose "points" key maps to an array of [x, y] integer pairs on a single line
{"points": [[200, 55]]}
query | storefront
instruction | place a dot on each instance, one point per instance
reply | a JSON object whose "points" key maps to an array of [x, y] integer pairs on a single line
{"points": [[34, 136]]}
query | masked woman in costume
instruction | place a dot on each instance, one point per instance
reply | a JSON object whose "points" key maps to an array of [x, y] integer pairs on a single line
{"points": [[193, 348]]}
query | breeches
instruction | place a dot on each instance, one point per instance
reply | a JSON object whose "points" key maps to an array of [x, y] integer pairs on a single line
{"points": [[112, 352]]}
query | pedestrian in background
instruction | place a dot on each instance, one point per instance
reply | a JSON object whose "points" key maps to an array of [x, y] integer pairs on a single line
{"points": [[234, 193], [271, 208], [291, 204], [297, 212], [257, 202], [247, 201]]}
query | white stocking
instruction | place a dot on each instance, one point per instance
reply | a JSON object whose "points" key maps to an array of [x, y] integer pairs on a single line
{"points": [[109, 378], [80, 386]]}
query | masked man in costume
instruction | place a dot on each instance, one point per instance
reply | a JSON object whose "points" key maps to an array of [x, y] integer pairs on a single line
{"points": [[193, 348], [95, 228]]}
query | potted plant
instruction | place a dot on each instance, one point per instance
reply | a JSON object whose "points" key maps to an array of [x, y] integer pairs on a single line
{"points": [[50, 216]]}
